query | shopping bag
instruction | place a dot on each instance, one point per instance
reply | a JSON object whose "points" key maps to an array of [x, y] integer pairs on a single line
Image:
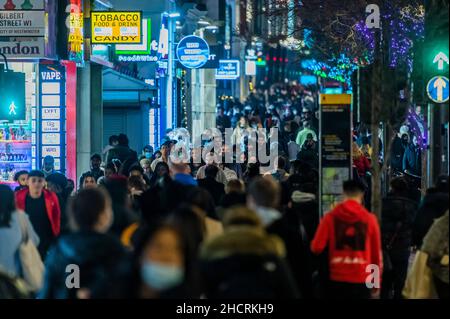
{"points": [[419, 281]]}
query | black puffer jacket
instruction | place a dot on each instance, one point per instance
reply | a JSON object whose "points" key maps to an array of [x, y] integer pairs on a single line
{"points": [[397, 220], [298, 256], [248, 276], [100, 259], [245, 262]]}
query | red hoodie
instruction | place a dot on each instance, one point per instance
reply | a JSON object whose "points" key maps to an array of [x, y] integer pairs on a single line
{"points": [[352, 235]]}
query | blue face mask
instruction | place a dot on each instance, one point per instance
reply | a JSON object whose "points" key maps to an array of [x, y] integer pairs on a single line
{"points": [[161, 277], [148, 155]]}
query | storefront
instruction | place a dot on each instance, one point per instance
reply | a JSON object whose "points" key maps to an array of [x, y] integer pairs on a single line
{"points": [[40, 108], [127, 108]]}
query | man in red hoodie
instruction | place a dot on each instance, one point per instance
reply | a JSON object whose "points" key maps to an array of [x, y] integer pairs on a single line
{"points": [[352, 236], [42, 207]]}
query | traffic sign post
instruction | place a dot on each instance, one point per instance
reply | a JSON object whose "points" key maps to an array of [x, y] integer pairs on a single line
{"points": [[193, 52], [438, 89]]}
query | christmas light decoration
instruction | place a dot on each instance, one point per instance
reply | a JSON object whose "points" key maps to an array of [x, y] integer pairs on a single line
{"points": [[417, 126], [405, 25], [339, 69]]}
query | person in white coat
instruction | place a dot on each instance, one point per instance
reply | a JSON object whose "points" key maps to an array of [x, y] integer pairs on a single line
{"points": [[11, 232]]}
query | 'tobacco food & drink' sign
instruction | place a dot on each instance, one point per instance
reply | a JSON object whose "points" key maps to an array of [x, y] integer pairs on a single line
{"points": [[116, 27]]}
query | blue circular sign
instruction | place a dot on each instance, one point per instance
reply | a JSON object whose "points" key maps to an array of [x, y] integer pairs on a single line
{"points": [[438, 90], [193, 52]]}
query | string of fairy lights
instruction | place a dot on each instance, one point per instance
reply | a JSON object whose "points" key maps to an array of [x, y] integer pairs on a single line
{"points": [[406, 25], [184, 122]]}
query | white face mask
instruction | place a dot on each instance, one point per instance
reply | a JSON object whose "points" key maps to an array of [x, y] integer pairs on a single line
{"points": [[160, 276]]}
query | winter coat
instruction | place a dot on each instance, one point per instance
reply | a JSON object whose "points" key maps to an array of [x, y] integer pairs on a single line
{"points": [[99, 258], [245, 262], [164, 197], [397, 219], [298, 255], [309, 156], [412, 160], [232, 199], [121, 153], [10, 239], [362, 165], [216, 189], [51, 203], [397, 152], [306, 205], [301, 136], [433, 206], [435, 244], [221, 177], [223, 122]]}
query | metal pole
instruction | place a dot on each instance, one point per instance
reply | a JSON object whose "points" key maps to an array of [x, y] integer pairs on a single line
{"points": [[430, 145], [171, 81]]}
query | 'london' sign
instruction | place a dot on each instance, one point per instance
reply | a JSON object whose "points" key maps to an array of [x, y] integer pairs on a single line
{"points": [[23, 49]]}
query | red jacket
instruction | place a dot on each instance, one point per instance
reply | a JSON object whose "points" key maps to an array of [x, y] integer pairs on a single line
{"points": [[362, 165], [51, 203], [352, 235]]}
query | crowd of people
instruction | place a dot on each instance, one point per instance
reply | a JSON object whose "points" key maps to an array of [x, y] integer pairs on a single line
{"points": [[142, 225]]}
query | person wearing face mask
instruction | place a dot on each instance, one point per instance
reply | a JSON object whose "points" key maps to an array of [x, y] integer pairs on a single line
{"points": [[308, 153], [412, 159], [95, 170], [97, 255], [164, 262], [399, 145], [147, 152], [48, 165]]}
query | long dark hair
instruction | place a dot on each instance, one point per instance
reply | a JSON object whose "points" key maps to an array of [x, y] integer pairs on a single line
{"points": [[155, 177], [7, 205]]}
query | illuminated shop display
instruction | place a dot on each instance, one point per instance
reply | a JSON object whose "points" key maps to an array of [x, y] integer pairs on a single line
{"points": [[52, 114], [16, 121]]}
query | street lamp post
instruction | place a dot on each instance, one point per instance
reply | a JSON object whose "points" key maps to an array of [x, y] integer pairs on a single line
{"points": [[171, 93]]}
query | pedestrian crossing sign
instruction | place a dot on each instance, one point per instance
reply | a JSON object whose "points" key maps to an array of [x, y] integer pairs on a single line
{"points": [[12, 96]]}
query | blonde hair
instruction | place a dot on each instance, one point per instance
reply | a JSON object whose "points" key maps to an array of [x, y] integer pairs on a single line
{"points": [[356, 151]]}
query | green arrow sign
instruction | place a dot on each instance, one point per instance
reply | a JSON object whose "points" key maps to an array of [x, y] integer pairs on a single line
{"points": [[440, 58]]}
